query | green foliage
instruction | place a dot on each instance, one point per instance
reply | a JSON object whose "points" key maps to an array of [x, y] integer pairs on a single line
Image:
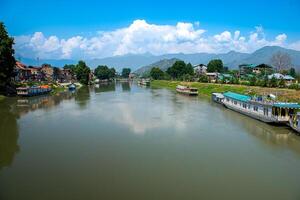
{"points": [[126, 72], [82, 72], [273, 82], [179, 69], [281, 83], [56, 73], [252, 81], [292, 72], [294, 86], [215, 66], [156, 73], [203, 79], [7, 60], [103, 72]]}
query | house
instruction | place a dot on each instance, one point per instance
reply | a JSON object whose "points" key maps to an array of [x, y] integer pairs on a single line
{"points": [[212, 76], [22, 73], [246, 69], [287, 78], [47, 70], [200, 69], [262, 69], [132, 76], [36, 73], [65, 76], [225, 77]]}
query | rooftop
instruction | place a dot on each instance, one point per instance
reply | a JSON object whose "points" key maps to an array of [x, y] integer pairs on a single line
{"points": [[236, 96]]}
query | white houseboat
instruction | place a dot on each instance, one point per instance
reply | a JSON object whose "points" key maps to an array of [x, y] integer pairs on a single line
{"points": [[186, 90], [295, 122], [259, 108], [217, 97], [144, 82], [33, 91]]}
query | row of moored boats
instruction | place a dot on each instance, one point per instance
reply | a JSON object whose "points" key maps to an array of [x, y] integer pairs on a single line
{"points": [[263, 108]]}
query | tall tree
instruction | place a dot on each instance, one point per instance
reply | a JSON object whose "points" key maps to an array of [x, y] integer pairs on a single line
{"points": [[56, 73], [156, 73], [292, 72], [82, 72], [7, 60], [103, 72], [281, 61], [126, 72], [215, 66], [177, 70]]}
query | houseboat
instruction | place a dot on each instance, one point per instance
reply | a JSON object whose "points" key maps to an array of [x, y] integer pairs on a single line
{"points": [[186, 90], [260, 108], [295, 122], [217, 97], [144, 82], [33, 91]]}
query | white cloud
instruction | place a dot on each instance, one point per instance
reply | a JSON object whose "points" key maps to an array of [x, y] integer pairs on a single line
{"points": [[142, 37]]}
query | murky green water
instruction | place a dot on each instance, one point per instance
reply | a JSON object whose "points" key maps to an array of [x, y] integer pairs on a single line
{"points": [[126, 142]]}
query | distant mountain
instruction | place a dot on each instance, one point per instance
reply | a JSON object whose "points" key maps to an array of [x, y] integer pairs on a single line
{"points": [[135, 61], [162, 64]]}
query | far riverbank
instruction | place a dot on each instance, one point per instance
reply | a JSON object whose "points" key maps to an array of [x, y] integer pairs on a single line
{"points": [[208, 88]]}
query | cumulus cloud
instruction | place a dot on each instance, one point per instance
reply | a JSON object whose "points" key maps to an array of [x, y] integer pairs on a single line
{"points": [[142, 37]]}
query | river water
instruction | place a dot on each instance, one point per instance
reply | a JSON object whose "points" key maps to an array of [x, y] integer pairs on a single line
{"points": [[122, 141]]}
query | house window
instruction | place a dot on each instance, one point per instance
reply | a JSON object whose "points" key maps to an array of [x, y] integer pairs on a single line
{"points": [[255, 108], [235, 102]]}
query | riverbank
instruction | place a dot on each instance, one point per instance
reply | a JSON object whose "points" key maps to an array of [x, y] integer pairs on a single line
{"points": [[208, 88], [2, 97]]}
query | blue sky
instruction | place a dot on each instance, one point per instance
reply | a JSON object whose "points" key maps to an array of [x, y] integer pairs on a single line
{"points": [[65, 19]]}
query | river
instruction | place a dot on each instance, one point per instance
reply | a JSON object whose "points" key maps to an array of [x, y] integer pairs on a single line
{"points": [[122, 141]]}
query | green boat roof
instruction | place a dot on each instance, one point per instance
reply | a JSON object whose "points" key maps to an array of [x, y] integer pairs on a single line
{"points": [[236, 96], [287, 105]]}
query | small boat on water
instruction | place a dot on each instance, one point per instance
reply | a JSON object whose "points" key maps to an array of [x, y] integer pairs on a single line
{"points": [[186, 90], [144, 82], [217, 97], [261, 108], [295, 122], [33, 91], [72, 87]]}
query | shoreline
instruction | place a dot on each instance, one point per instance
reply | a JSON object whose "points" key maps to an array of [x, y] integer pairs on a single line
{"points": [[207, 89]]}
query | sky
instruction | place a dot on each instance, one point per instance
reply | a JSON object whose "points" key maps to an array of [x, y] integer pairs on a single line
{"points": [[53, 29]]}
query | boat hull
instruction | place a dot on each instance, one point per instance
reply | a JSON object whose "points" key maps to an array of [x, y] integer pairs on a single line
{"points": [[295, 128], [187, 92], [258, 117]]}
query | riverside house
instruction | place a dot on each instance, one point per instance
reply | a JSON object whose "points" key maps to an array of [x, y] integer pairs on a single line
{"points": [[287, 78], [22, 73]]}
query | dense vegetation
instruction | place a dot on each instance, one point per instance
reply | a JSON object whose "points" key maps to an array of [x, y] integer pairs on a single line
{"points": [[7, 60], [102, 72], [126, 72]]}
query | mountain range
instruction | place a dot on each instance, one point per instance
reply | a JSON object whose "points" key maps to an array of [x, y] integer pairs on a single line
{"points": [[136, 61]]}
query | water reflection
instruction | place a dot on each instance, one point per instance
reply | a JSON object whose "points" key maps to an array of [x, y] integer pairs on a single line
{"points": [[105, 87], [9, 134], [82, 97], [126, 86]]}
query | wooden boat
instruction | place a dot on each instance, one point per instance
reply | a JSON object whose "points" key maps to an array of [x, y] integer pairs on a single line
{"points": [[144, 82], [186, 90], [33, 91], [295, 122], [217, 97], [260, 108]]}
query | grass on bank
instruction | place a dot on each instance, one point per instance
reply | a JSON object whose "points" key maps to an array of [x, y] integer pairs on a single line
{"points": [[208, 88], [2, 97]]}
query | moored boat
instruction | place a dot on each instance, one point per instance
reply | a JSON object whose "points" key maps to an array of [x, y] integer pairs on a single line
{"points": [[260, 108], [144, 82], [217, 97], [295, 122], [33, 91], [186, 90], [72, 87]]}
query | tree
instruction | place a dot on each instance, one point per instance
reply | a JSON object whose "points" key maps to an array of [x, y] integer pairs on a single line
{"points": [[126, 72], [281, 60], [7, 60], [112, 73], [252, 81], [203, 78], [102, 72], [156, 73], [215, 66], [179, 69], [281, 83], [292, 72], [56, 73], [273, 82], [82, 72]]}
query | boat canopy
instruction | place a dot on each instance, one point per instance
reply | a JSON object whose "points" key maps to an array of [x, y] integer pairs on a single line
{"points": [[236, 96], [287, 105]]}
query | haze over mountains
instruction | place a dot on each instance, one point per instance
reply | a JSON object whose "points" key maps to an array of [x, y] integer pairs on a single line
{"points": [[231, 59]]}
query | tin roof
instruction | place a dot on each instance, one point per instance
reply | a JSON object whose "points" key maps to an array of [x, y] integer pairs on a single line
{"points": [[237, 96], [287, 105]]}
